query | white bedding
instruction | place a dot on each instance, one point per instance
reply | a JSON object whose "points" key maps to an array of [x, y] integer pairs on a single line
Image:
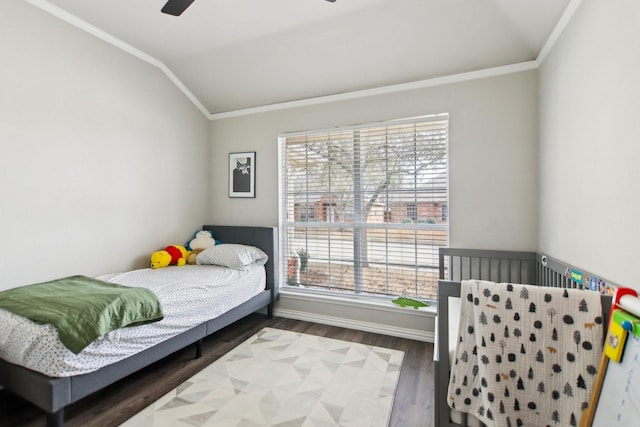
{"points": [[190, 295]]}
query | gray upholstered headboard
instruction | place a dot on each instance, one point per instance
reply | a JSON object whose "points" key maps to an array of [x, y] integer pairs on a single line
{"points": [[265, 238]]}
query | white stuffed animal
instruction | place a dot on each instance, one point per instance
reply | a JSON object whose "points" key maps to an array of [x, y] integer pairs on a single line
{"points": [[203, 240]]}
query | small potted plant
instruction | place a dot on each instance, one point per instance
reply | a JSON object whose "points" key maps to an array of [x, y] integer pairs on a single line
{"points": [[303, 256]]}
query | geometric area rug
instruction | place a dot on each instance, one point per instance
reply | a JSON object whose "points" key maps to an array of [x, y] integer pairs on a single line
{"points": [[285, 379]]}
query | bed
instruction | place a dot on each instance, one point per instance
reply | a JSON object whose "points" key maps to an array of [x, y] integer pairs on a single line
{"points": [[457, 265], [53, 393]]}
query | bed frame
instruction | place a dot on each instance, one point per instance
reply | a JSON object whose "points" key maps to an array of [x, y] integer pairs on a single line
{"points": [[53, 394], [496, 266]]}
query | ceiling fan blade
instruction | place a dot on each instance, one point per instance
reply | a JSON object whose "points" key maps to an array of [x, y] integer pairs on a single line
{"points": [[176, 7]]}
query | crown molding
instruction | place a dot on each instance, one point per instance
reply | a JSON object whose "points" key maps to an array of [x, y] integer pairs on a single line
{"points": [[558, 29], [114, 41], [438, 81], [421, 84]]}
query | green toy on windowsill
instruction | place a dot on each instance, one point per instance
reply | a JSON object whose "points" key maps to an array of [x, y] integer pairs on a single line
{"points": [[409, 302]]}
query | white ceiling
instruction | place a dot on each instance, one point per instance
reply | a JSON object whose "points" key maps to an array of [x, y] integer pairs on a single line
{"points": [[238, 54]]}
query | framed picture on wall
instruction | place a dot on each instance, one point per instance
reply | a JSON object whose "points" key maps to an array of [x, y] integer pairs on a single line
{"points": [[242, 174]]}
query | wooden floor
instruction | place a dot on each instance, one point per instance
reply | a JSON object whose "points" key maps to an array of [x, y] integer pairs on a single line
{"points": [[413, 405]]}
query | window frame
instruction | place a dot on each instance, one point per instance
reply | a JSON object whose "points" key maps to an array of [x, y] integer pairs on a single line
{"points": [[443, 223]]}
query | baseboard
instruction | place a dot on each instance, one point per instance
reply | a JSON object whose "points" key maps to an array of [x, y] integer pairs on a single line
{"points": [[378, 328]]}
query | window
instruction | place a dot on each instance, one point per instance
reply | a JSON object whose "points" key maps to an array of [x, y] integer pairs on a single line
{"points": [[381, 192], [328, 212], [444, 212], [305, 212], [412, 211]]}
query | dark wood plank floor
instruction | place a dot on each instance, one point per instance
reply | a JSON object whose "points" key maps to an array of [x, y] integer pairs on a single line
{"points": [[413, 405]]}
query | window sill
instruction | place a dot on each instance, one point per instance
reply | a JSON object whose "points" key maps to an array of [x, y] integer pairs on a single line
{"points": [[370, 302]]}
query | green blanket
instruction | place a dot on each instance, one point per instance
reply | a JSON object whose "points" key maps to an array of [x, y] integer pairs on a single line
{"points": [[81, 308]]}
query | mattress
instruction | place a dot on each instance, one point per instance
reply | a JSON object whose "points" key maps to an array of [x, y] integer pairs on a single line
{"points": [[190, 295]]}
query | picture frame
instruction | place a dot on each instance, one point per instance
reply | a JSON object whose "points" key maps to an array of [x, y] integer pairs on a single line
{"points": [[242, 174]]}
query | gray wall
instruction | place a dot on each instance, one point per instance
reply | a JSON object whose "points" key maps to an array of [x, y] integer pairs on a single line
{"points": [[493, 154], [102, 159], [590, 141], [493, 177]]}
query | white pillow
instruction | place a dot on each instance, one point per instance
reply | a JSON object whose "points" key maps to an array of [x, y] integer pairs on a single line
{"points": [[232, 255]]}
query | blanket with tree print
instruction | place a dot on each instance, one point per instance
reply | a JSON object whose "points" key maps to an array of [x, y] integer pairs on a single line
{"points": [[526, 355]]}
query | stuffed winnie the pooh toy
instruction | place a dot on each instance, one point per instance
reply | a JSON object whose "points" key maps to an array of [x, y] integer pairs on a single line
{"points": [[171, 255]]}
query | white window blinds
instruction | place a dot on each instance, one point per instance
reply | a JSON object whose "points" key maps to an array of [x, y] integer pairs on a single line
{"points": [[364, 209]]}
